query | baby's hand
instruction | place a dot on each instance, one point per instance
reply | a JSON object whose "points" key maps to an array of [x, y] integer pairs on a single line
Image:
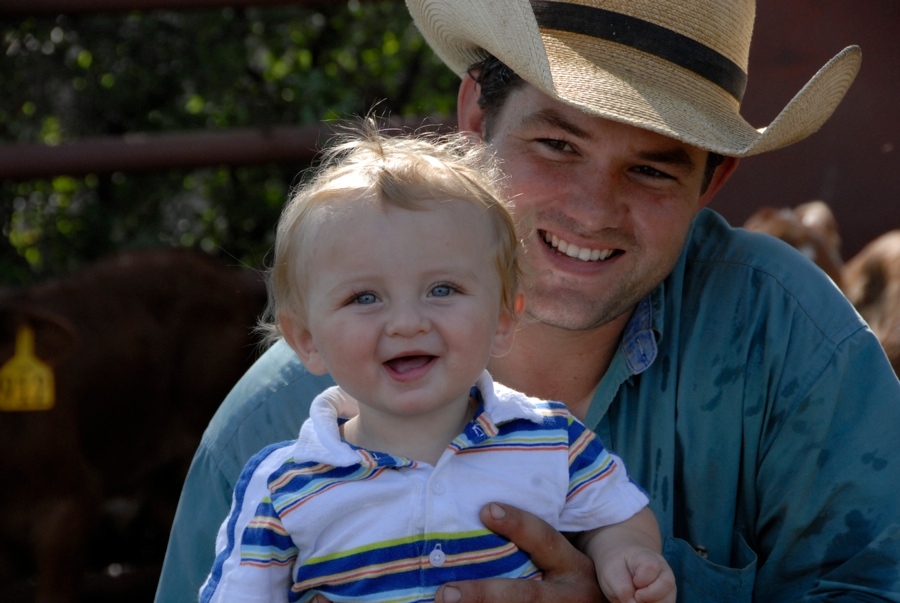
{"points": [[639, 575]]}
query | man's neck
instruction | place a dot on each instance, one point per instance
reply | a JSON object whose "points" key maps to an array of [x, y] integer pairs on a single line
{"points": [[557, 364]]}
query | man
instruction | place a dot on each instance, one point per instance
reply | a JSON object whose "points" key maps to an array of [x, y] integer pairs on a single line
{"points": [[738, 385]]}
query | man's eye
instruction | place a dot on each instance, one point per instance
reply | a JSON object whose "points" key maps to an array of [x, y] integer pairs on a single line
{"points": [[365, 299], [442, 291], [555, 144], [646, 170]]}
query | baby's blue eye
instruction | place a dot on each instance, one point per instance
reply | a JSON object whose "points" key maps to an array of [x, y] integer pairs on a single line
{"points": [[442, 291], [365, 299]]}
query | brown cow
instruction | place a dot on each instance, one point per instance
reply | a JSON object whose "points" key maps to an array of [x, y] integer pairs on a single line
{"points": [[872, 284], [870, 280], [143, 347], [810, 228]]}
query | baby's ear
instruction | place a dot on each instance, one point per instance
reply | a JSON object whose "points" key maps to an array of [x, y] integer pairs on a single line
{"points": [[301, 341], [506, 328]]}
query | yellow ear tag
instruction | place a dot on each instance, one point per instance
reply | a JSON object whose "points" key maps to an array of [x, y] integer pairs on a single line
{"points": [[26, 383]]}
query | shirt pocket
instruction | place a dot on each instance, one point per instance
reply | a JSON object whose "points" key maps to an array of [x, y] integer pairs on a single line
{"points": [[701, 581]]}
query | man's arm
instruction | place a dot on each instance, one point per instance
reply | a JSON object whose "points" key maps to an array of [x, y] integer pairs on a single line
{"points": [[828, 483], [205, 502]]}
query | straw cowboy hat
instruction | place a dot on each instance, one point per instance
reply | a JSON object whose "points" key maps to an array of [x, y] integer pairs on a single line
{"points": [[677, 67]]}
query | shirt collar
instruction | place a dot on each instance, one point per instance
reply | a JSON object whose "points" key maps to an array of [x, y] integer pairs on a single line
{"points": [[497, 404], [643, 332], [320, 437]]}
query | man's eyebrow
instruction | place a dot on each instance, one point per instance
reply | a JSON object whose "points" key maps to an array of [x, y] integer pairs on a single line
{"points": [[549, 117], [675, 157]]}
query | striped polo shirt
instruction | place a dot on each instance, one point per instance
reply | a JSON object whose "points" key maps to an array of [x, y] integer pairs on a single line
{"points": [[319, 515]]}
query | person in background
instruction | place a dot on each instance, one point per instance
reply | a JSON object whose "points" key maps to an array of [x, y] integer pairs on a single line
{"points": [[741, 389]]}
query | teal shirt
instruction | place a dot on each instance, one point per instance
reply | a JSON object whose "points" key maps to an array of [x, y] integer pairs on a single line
{"points": [[747, 398]]}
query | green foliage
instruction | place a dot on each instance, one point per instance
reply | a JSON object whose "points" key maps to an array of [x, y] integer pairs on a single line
{"points": [[109, 74]]}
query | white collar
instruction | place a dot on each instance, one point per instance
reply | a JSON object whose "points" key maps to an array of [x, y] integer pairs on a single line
{"points": [[320, 437]]}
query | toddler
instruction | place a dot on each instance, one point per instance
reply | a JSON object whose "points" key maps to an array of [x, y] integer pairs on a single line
{"points": [[396, 271]]}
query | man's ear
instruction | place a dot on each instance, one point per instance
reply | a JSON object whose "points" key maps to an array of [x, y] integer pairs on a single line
{"points": [[301, 341], [470, 116], [723, 172], [507, 324]]}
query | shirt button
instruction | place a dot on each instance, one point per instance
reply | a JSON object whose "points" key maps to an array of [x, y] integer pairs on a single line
{"points": [[437, 557], [437, 487]]}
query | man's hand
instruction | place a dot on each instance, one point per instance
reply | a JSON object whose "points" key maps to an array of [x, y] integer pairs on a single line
{"points": [[568, 574]]}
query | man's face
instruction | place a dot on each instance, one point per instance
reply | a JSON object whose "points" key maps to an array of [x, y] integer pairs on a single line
{"points": [[608, 205]]}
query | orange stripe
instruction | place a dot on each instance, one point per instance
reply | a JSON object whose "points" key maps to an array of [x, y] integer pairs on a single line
{"points": [[267, 524], [264, 564]]}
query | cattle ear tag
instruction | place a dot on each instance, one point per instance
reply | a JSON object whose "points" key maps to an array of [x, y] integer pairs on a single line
{"points": [[26, 383]]}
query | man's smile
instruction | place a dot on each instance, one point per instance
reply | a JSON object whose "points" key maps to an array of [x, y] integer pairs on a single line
{"points": [[585, 254]]}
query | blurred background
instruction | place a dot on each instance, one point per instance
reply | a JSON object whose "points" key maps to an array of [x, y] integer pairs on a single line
{"points": [[74, 74], [104, 74], [131, 125]]}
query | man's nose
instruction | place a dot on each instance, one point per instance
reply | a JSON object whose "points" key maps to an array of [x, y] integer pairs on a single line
{"points": [[595, 199]]}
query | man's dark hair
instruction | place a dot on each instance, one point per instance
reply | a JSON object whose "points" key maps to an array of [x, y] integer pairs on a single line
{"points": [[713, 160], [496, 81]]}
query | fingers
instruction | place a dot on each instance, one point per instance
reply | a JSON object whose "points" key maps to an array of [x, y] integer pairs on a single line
{"points": [[651, 579], [548, 549], [500, 590], [658, 592], [497, 590], [616, 582], [658, 586], [568, 575]]}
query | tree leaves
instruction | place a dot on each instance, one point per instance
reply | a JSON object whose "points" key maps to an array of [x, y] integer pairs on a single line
{"points": [[79, 76]]}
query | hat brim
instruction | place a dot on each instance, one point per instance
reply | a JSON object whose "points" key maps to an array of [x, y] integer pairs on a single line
{"points": [[618, 82]]}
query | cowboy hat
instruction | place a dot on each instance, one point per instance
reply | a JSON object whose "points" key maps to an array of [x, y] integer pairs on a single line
{"points": [[677, 67]]}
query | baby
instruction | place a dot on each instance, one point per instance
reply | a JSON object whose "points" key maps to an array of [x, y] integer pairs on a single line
{"points": [[396, 272]]}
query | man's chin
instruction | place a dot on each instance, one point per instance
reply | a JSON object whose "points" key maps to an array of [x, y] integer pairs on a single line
{"points": [[568, 318], [578, 310]]}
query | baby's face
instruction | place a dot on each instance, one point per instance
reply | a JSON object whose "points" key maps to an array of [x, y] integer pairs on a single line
{"points": [[404, 305]]}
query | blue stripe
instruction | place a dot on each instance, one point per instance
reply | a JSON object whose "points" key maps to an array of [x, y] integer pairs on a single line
{"points": [[517, 564], [240, 491]]}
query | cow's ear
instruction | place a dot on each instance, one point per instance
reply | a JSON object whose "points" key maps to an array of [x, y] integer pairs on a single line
{"points": [[301, 340], [54, 336]]}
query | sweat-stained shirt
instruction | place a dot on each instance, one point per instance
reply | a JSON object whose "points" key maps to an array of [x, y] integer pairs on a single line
{"points": [[747, 397]]}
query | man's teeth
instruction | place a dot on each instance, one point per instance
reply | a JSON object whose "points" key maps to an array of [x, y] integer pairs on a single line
{"points": [[574, 251]]}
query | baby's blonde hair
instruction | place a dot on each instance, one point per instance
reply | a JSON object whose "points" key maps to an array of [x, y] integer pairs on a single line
{"points": [[407, 171]]}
